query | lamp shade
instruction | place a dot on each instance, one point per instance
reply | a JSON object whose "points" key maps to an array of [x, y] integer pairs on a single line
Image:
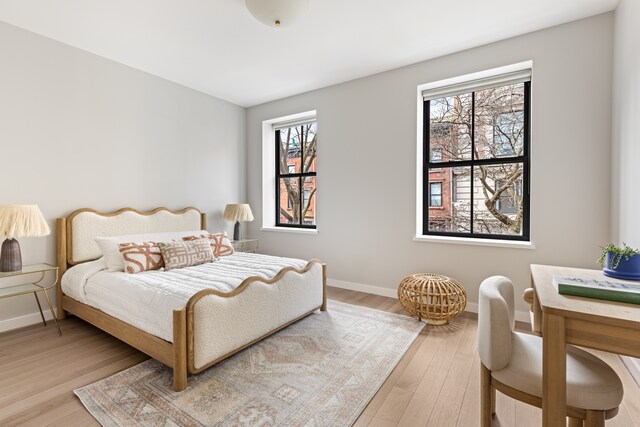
{"points": [[22, 221], [238, 212], [277, 13]]}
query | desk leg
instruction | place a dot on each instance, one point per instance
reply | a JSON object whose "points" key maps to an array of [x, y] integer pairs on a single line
{"points": [[554, 371], [537, 312]]}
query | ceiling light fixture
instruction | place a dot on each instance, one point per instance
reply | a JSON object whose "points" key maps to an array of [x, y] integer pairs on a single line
{"points": [[277, 13]]}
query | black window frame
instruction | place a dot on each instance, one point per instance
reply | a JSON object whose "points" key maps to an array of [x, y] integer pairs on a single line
{"points": [[301, 178], [428, 165]]}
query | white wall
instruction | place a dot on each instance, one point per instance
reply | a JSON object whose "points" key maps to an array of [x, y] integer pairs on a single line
{"points": [[626, 116], [78, 130], [366, 164]]}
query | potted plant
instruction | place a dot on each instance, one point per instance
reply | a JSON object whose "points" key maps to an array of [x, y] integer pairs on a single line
{"points": [[620, 262]]}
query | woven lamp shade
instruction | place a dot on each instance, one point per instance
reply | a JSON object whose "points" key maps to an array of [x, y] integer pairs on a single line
{"points": [[238, 212], [433, 298], [22, 221]]}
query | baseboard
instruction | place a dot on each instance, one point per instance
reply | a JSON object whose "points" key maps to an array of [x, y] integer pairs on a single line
{"points": [[521, 316], [633, 366], [22, 321], [370, 289], [472, 307]]}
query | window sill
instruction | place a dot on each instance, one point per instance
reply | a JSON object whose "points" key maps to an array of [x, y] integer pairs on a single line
{"points": [[516, 244], [291, 230]]}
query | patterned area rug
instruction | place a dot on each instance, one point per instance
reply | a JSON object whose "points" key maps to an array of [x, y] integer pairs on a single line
{"points": [[320, 371]]}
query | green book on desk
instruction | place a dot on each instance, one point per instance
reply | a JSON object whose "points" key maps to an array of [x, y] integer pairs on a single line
{"points": [[612, 290]]}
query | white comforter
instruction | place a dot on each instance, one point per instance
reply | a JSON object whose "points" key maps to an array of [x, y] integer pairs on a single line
{"points": [[147, 300]]}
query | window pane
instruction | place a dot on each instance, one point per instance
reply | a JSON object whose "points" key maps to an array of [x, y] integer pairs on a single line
{"points": [[450, 128], [309, 201], [290, 149], [435, 194], [310, 143], [499, 122], [454, 212], [289, 201], [498, 199]]}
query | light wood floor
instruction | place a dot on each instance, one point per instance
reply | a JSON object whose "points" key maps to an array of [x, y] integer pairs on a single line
{"points": [[436, 383]]}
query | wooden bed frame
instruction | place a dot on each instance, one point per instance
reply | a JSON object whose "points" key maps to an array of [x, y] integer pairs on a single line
{"points": [[178, 355]]}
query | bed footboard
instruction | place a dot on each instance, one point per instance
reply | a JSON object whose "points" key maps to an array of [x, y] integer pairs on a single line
{"points": [[222, 324]]}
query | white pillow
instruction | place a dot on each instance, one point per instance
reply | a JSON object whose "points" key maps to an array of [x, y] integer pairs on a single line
{"points": [[111, 252]]}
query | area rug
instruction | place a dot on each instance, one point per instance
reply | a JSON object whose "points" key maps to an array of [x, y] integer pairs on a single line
{"points": [[319, 371]]}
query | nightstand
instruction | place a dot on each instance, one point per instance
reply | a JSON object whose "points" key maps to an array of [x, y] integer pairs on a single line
{"points": [[33, 287], [245, 245]]}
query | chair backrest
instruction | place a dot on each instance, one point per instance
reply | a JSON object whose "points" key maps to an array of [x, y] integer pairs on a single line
{"points": [[495, 322]]}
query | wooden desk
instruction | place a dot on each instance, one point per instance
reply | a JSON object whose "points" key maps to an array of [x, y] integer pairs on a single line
{"points": [[562, 319]]}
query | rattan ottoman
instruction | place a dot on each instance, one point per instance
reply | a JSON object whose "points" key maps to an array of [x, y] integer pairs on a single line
{"points": [[433, 298]]}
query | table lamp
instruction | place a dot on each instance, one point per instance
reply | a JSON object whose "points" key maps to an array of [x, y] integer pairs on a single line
{"points": [[18, 221], [238, 212]]}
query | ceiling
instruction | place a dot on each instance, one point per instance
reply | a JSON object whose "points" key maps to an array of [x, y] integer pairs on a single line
{"points": [[217, 47]]}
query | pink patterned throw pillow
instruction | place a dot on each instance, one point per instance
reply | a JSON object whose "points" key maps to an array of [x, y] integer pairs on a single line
{"points": [[220, 243], [139, 257]]}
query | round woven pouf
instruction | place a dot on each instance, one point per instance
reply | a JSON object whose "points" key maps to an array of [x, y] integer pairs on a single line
{"points": [[433, 298]]}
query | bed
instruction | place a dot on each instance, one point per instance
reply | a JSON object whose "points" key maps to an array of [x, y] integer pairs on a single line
{"points": [[191, 319]]}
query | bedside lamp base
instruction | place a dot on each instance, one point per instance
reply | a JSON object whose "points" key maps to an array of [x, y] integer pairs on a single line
{"points": [[237, 233], [10, 258]]}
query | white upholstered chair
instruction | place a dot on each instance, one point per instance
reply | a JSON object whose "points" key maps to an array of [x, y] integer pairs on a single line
{"points": [[511, 362]]}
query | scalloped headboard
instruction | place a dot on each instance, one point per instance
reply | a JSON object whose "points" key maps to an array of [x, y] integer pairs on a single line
{"points": [[84, 225]]}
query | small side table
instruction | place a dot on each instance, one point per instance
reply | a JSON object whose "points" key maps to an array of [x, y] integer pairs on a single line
{"points": [[33, 287], [245, 245]]}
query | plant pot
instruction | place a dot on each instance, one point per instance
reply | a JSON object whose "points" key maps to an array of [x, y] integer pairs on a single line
{"points": [[628, 269]]}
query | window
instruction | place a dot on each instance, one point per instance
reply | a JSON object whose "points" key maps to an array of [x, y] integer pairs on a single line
{"points": [[510, 198], [475, 148], [508, 133], [288, 170], [435, 194], [295, 174]]}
